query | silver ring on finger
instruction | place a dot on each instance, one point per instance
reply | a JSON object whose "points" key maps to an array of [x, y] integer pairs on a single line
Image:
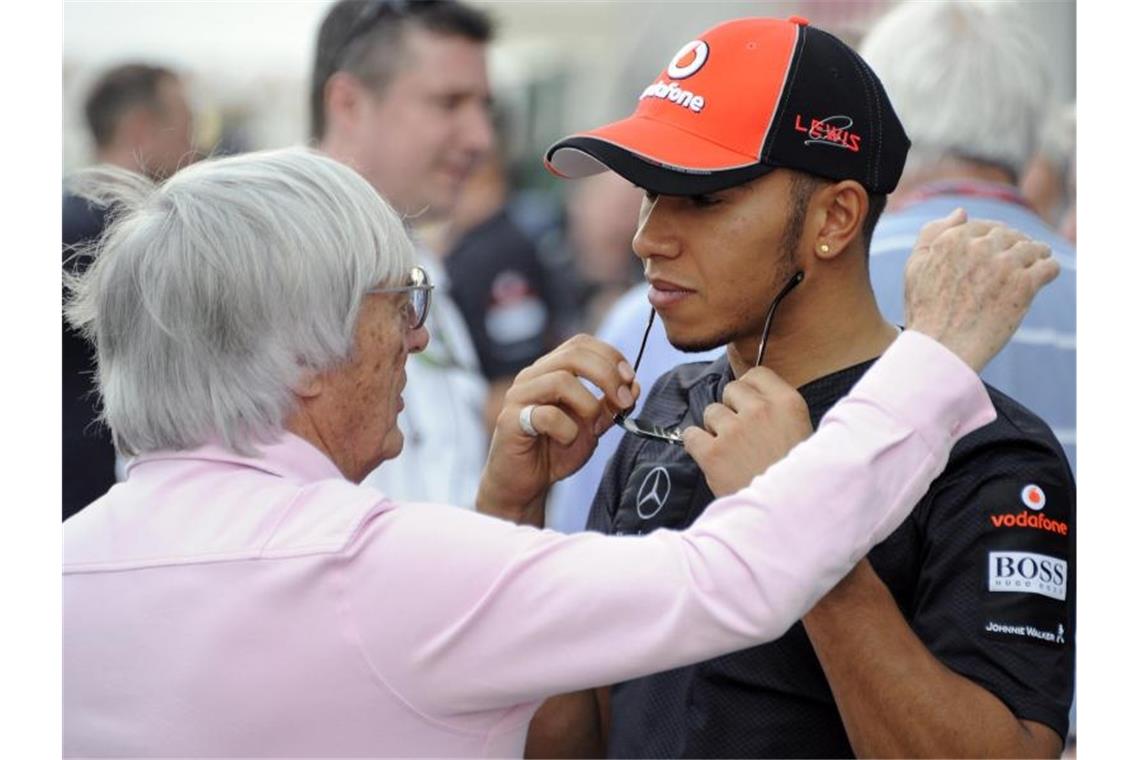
{"points": [[525, 421]]}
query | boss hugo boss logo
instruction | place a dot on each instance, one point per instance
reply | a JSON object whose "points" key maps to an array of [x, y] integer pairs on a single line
{"points": [[830, 130], [1028, 573], [653, 493], [688, 60]]}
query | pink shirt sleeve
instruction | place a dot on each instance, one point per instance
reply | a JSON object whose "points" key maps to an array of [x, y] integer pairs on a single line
{"points": [[459, 613]]}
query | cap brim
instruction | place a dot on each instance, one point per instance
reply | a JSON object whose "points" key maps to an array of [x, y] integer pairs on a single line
{"points": [[655, 156]]}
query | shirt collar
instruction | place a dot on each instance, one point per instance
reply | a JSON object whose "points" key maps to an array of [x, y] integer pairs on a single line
{"points": [[290, 456]]}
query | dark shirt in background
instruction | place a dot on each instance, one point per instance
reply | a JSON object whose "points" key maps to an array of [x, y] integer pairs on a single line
{"points": [[503, 291], [88, 454]]}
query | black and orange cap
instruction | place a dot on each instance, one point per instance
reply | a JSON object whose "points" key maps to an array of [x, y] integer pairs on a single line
{"points": [[746, 97]]}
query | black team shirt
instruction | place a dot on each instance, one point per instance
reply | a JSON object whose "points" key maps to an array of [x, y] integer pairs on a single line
{"points": [[983, 570]]}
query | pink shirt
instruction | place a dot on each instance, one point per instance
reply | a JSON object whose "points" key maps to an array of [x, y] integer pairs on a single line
{"points": [[221, 605]]}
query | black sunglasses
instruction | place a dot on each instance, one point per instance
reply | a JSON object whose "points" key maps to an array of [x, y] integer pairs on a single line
{"points": [[673, 434], [419, 297]]}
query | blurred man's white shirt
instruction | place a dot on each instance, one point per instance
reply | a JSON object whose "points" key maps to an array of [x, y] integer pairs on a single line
{"points": [[445, 442]]}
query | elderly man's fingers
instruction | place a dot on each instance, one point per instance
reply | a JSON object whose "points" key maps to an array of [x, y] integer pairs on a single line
{"points": [[559, 388], [935, 228], [1027, 252], [1002, 237], [1042, 272]]}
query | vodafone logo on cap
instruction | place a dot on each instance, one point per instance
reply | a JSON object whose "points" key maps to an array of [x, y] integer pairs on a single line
{"points": [[688, 60], [1033, 497]]}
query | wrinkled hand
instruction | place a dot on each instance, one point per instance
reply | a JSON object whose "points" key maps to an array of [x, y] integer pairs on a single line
{"points": [[567, 416], [970, 283], [761, 419]]}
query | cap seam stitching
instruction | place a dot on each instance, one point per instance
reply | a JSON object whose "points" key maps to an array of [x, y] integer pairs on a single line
{"points": [[777, 121], [872, 162]]}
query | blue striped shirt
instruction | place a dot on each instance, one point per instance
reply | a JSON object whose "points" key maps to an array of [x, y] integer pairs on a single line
{"points": [[1039, 366]]}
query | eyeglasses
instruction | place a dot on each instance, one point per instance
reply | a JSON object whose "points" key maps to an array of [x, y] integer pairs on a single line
{"points": [[419, 297], [673, 434]]}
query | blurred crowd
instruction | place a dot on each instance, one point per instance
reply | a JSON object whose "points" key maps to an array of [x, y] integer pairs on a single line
{"points": [[520, 267]]}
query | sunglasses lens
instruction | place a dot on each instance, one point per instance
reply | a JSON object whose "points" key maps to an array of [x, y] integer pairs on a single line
{"points": [[653, 432]]}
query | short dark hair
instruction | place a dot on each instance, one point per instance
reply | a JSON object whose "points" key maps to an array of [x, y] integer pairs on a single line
{"points": [[804, 185], [365, 37], [119, 90]]}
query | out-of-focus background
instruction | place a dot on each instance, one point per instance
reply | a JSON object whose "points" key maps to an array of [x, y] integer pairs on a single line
{"points": [[556, 66]]}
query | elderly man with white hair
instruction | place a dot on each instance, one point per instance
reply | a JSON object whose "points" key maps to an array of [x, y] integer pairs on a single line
{"points": [[241, 594], [970, 82]]}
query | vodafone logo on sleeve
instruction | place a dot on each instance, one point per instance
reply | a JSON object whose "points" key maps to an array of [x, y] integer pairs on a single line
{"points": [[1033, 497]]}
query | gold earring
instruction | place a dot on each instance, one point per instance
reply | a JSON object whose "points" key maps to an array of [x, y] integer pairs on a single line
{"points": [[824, 248]]}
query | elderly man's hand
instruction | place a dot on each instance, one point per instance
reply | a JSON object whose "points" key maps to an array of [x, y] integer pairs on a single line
{"points": [[970, 283], [567, 417], [761, 419]]}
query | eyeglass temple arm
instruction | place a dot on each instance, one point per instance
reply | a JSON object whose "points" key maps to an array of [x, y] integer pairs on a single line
{"points": [[796, 279], [620, 416]]}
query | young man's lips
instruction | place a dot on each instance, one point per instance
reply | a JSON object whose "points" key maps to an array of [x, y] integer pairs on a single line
{"points": [[663, 294]]}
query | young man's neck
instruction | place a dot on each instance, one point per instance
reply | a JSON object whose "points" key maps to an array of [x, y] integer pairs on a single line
{"points": [[808, 341]]}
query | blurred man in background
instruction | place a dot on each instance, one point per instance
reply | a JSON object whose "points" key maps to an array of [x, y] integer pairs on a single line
{"points": [[601, 217], [140, 119], [399, 92], [971, 85], [498, 281]]}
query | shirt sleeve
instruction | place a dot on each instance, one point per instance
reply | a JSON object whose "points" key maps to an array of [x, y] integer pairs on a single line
{"points": [[995, 597], [460, 613]]}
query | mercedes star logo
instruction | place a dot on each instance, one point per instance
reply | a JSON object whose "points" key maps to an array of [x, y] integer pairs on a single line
{"points": [[654, 492]]}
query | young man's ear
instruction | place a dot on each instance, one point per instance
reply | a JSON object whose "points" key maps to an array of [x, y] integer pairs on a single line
{"points": [[844, 206]]}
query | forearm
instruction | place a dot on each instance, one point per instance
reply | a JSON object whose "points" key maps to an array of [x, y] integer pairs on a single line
{"points": [[568, 725], [896, 699]]}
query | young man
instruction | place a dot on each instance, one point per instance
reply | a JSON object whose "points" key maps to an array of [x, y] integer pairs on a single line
{"points": [[399, 93], [766, 149]]}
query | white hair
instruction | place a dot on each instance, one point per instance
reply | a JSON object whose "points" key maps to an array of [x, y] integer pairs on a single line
{"points": [[210, 295], [966, 79]]}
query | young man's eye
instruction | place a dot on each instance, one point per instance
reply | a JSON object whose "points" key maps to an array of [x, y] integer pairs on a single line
{"points": [[703, 200]]}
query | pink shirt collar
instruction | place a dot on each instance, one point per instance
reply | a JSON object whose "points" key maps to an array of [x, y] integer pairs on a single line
{"points": [[290, 456]]}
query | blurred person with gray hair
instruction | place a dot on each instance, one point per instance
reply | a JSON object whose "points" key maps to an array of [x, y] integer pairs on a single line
{"points": [[139, 119], [971, 85], [1050, 181], [399, 92], [242, 594]]}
